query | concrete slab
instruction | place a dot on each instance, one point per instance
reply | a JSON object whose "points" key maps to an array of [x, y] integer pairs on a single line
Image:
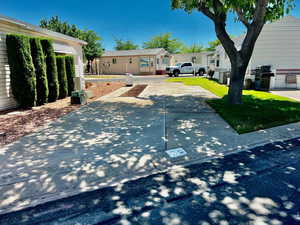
{"points": [[293, 94], [116, 139]]}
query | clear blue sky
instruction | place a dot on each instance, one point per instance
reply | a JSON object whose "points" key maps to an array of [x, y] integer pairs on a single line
{"points": [[136, 20]]}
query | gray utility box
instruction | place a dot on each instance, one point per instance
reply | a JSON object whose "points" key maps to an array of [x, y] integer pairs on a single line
{"points": [[78, 98]]}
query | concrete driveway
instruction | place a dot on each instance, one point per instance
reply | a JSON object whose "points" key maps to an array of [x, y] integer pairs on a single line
{"points": [[117, 139], [293, 94]]}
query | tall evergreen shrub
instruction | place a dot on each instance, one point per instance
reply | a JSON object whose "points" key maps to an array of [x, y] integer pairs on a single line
{"points": [[62, 76], [22, 72], [52, 76], [40, 71], [70, 70]]}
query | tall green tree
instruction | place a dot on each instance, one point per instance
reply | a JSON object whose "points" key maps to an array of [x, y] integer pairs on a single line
{"points": [[194, 48], [172, 45], [52, 77], [253, 14], [92, 50], [125, 45], [39, 62], [22, 75]]}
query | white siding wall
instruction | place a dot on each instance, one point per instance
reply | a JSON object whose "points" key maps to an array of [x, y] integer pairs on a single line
{"points": [[279, 45], [6, 99]]}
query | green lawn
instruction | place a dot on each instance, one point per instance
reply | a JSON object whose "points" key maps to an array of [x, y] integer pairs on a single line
{"points": [[259, 110]]}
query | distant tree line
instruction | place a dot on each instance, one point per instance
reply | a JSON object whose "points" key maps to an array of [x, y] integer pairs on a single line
{"points": [[166, 41], [92, 50]]}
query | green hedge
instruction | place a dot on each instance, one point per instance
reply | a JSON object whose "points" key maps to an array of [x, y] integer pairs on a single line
{"points": [[62, 76], [52, 76], [40, 71], [70, 69], [22, 73]]}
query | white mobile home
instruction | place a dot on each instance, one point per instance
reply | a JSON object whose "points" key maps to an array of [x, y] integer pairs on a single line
{"points": [[62, 44], [279, 46]]}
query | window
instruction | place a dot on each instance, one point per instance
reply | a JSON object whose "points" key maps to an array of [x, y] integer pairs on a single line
{"points": [[186, 64], [157, 61], [218, 63], [114, 61], [130, 60]]}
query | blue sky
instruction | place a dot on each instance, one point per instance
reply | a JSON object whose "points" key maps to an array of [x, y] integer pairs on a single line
{"points": [[136, 20]]}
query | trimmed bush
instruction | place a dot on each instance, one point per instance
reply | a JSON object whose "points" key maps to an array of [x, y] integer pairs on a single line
{"points": [[53, 85], [70, 69], [62, 76], [22, 73], [40, 71]]}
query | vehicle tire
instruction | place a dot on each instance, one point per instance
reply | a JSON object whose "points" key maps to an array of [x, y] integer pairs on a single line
{"points": [[201, 72], [176, 73], [170, 75]]}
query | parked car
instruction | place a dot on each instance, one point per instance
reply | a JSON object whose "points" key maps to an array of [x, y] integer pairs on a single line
{"points": [[186, 68]]}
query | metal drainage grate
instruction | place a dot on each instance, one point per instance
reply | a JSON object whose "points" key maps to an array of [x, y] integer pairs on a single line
{"points": [[176, 152]]}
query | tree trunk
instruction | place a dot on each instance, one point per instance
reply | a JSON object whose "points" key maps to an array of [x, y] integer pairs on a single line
{"points": [[237, 76]]}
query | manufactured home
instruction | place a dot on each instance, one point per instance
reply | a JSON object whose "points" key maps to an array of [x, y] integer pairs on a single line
{"points": [[62, 44], [278, 45], [138, 62]]}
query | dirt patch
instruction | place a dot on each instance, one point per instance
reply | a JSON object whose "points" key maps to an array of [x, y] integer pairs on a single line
{"points": [[102, 88], [17, 123], [135, 91]]}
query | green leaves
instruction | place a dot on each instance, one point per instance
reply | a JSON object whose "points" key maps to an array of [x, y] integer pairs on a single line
{"points": [[172, 45], [94, 47], [275, 8], [125, 45]]}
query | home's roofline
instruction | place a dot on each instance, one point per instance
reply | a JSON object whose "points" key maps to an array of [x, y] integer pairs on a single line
{"points": [[40, 30]]}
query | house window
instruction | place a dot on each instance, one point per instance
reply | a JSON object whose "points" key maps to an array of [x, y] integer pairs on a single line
{"points": [[130, 60], [218, 63], [114, 61], [157, 61]]}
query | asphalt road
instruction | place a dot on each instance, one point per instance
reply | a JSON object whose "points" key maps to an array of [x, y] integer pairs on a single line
{"points": [[259, 186]]}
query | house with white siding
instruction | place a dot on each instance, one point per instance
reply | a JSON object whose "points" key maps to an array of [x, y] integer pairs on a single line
{"points": [[278, 45], [62, 44]]}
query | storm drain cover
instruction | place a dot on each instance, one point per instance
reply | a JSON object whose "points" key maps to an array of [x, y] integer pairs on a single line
{"points": [[176, 152]]}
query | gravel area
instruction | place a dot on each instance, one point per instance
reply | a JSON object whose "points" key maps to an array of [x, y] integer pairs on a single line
{"points": [[18, 122]]}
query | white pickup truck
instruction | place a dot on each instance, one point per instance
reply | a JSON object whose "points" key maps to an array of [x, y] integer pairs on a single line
{"points": [[186, 68]]}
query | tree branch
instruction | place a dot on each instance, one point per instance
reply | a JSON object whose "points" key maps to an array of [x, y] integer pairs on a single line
{"points": [[242, 18], [255, 28]]}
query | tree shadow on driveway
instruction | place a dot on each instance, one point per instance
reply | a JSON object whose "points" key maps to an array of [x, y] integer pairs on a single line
{"points": [[105, 143]]}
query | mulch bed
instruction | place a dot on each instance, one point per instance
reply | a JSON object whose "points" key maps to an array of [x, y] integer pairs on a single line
{"points": [[18, 122], [135, 91]]}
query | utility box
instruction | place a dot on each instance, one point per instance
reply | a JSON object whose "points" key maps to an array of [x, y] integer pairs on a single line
{"points": [[78, 98]]}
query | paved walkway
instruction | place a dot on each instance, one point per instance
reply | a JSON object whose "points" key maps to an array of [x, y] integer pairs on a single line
{"points": [[116, 139], [294, 94]]}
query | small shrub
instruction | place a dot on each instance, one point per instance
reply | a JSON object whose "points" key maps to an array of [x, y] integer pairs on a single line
{"points": [[62, 76], [22, 73], [53, 85], [40, 71], [70, 70]]}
